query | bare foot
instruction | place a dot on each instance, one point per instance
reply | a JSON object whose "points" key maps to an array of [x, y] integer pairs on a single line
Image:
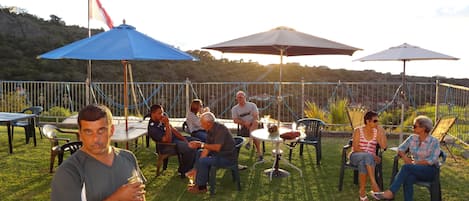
{"points": [[375, 188], [388, 194], [191, 173]]}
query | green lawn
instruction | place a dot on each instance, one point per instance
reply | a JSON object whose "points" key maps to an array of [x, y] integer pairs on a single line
{"points": [[24, 176]]}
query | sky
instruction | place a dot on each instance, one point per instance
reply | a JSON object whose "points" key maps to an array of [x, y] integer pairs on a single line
{"points": [[371, 25]]}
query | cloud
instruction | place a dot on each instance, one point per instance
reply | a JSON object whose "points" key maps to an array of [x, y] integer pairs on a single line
{"points": [[453, 11]]}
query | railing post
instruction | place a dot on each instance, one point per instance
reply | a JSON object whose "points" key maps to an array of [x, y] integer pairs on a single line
{"points": [[437, 101], [302, 97], [188, 83]]}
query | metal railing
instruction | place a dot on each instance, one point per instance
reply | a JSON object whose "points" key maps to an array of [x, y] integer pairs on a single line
{"points": [[220, 97], [453, 100]]}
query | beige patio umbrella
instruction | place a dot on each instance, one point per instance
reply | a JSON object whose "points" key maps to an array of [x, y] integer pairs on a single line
{"points": [[405, 53], [283, 41]]}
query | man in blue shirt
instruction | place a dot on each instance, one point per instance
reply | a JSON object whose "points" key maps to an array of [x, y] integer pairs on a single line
{"points": [[160, 130]]}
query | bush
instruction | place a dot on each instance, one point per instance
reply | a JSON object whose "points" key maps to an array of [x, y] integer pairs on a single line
{"points": [[313, 111], [55, 114], [58, 112], [13, 102], [338, 112]]}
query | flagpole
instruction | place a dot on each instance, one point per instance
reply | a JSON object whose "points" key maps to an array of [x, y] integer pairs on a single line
{"points": [[88, 69]]}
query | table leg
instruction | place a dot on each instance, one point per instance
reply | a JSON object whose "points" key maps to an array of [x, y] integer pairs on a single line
{"points": [[33, 129], [275, 171], [10, 132], [293, 166]]}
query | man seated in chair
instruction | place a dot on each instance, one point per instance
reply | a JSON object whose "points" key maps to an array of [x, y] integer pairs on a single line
{"points": [[160, 130], [246, 114], [217, 151]]}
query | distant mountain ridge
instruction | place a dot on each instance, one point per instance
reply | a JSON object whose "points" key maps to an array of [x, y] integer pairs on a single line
{"points": [[24, 36]]}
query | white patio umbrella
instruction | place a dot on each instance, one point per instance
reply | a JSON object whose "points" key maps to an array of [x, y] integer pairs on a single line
{"points": [[405, 53], [283, 41]]}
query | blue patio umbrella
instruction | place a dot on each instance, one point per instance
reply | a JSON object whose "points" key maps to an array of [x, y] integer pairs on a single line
{"points": [[120, 43]]}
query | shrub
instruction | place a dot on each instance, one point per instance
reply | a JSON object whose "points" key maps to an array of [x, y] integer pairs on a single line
{"points": [[55, 114], [314, 111], [58, 112], [13, 102], [338, 112]]}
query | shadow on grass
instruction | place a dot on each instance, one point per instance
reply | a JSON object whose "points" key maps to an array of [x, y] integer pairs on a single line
{"points": [[25, 175]]}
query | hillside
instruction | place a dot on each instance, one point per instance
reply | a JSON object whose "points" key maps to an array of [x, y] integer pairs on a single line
{"points": [[23, 37]]}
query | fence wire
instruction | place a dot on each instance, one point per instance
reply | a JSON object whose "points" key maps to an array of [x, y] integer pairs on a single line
{"points": [[420, 97]]}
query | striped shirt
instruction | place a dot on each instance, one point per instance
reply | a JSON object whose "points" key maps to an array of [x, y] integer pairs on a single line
{"points": [[368, 145], [428, 150]]}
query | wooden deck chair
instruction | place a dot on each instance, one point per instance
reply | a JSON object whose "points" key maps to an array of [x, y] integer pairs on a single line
{"points": [[355, 116], [440, 130]]}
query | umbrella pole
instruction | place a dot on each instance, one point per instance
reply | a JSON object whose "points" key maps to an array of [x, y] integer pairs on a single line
{"points": [[88, 83], [279, 99], [403, 99], [126, 101]]}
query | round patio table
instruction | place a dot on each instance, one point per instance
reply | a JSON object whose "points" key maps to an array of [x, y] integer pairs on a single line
{"points": [[264, 135]]}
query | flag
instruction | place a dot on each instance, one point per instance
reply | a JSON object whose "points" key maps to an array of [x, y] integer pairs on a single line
{"points": [[97, 12]]}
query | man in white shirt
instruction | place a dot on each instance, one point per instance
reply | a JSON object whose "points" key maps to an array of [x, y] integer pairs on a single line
{"points": [[246, 115]]}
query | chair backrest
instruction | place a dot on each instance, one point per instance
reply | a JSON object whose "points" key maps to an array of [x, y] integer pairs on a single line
{"points": [[147, 116], [442, 127], [312, 127], [442, 157], [49, 131], [238, 144], [71, 147], [185, 127], [37, 110], [355, 116]]}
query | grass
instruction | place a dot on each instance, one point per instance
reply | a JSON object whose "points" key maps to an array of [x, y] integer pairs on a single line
{"points": [[24, 176]]}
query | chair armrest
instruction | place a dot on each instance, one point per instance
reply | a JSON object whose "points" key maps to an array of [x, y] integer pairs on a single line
{"points": [[60, 138], [380, 152], [69, 132], [344, 152]]}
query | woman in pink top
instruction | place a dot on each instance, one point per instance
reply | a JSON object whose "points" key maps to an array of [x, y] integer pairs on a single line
{"points": [[365, 140]]}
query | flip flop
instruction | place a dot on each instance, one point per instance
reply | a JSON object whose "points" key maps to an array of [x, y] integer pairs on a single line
{"points": [[377, 195]]}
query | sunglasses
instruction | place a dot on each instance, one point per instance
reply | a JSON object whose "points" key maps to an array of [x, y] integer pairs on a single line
{"points": [[375, 121]]}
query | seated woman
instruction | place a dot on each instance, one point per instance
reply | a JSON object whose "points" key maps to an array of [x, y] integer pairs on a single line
{"points": [[422, 166], [193, 120], [363, 155]]}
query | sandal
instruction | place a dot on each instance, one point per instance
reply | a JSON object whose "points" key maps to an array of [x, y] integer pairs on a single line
{"points": [[377, 195], [364, 198]]}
